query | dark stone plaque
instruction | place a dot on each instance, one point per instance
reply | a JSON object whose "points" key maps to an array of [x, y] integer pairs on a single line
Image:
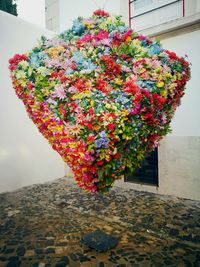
{"points": [[100, 241]]}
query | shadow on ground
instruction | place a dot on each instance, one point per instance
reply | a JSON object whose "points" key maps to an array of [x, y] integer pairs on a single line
{"points": [[42, 225]]}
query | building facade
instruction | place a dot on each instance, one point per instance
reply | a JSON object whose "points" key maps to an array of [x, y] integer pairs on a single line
{"points": [[177, 24]]}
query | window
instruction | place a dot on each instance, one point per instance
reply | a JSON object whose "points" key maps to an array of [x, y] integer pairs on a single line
{"points": [[149, 13], [148, 173], [141, 6]]}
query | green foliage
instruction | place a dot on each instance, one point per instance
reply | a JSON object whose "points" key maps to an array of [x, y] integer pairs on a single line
{"points": [[8, 6]]}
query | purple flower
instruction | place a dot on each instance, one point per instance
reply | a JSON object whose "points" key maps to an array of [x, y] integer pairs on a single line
{"points": [[102, 134], [102, 142]]}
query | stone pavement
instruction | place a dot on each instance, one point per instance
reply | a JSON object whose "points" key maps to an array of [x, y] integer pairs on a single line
{"points": [[42, 225]]}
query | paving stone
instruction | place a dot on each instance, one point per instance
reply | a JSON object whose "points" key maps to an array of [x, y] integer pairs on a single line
{"points": [[50, 251], [49, 242], [47, 221], [21, 251], [13, 263], [60, 264], [65, 259], [74, 256], [29, 253], [9, 250], [3, 258]]}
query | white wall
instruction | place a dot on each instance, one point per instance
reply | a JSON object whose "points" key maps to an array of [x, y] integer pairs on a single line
{"points": [[187, 117], [52, 15], [32, 11], [25, 156], [71, 9]]}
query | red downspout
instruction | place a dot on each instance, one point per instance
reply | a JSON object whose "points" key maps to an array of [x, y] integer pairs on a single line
{"points": [[129, 12], [183, 8]]}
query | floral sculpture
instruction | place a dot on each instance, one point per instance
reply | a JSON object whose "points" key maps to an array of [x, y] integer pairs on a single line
{"points": [[102, 94]]}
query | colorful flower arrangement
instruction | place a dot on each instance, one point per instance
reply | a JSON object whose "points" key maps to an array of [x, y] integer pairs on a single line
{"points": [[102, 94]]}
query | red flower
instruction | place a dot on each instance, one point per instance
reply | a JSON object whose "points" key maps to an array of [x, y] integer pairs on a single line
{"points": [[62, 110], [14, 61], [131, 87], [54, 74], [102, 85], [101, 12], [138, 98], [113, 115], [171, 55], [116, 156], [127, 34], [80, 84], [90, 138], [111, 126], [29, 86], [147, 116], [89, 125], [100, 162], [91, 111], [112, 68], [101, 35], [142, 37]]}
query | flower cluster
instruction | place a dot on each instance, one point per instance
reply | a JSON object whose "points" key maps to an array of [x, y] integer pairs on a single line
{"points": [[102, 94]]}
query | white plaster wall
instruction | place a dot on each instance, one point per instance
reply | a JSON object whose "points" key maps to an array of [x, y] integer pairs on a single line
{"points": [[52, 15], [179, 169], [32, 11], [192, 7], [70, 10], [186, 121], [25, 156]]}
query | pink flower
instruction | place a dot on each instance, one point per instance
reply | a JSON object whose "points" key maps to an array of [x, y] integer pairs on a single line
{"points": [[60, 91], [101, 35], [72, 89], [155, 64]]}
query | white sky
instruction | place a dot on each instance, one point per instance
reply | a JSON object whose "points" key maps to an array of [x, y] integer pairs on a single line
{"points": [[32, 11]]}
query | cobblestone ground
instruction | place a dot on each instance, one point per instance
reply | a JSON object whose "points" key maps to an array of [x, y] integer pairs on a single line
{"points": [[42, 225]]}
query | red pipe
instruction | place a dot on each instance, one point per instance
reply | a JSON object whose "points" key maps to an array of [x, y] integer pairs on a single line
{"points": [[183, 8], [129, 12]]}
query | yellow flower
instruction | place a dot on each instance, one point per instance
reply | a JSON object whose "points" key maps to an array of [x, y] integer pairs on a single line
{"points": [[168, 75], [107, 157], [125, 112], [55, 51], [172, 86], [164, 93], [179, 76], [96, 127], [87, 93], [108, 105], [72, 145], [160, 84], [158, 70], [20, 74], [77, 96], [118, 81], [24, 64], [114, 107]]}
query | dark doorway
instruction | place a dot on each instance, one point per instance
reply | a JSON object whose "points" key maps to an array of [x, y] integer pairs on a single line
{"points": [[148, 173]]}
